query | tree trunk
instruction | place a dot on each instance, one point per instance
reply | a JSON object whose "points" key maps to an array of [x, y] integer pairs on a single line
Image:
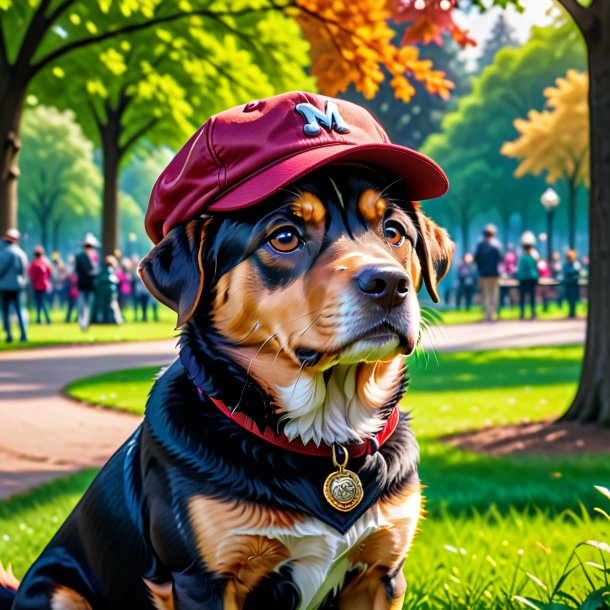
{"points": [[44, 220], [12, 94], [111, 152], [56, 232], [592, 402]]}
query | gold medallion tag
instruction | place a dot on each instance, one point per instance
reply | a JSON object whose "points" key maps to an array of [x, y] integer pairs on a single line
{"points": [[343, 489]]}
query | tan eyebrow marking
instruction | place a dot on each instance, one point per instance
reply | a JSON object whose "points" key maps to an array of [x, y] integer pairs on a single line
{"points": [[308, 207], [372, 205]]}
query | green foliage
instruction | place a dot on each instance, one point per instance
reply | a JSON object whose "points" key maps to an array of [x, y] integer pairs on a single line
{"points": [[140, 174], [483, 121], [161, 83], [61, 187]]}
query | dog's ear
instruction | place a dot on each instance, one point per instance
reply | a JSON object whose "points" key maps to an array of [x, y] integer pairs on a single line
{"points": [[434, 249], [173, 270]]}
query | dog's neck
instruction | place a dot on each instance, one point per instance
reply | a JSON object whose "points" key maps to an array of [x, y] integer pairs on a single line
{"points": [[346, 404]]}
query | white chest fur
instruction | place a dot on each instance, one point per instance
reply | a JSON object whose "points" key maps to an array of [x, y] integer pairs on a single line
{"points": [[248, 541]]}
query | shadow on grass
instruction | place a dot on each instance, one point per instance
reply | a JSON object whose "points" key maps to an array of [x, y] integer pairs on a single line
{"points": [[460, 482]]}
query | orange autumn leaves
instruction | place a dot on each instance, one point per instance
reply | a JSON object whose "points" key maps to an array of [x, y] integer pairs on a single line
{"points": [[352, 42]]}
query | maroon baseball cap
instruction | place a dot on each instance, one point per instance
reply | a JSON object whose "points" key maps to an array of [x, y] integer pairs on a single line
{"points": [[243, 155]]}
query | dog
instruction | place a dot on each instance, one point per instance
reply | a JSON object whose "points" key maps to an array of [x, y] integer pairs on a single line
{"points": [[273, 468]]}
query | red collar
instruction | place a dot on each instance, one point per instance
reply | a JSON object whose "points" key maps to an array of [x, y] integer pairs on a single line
{"points": [[371, 445]]}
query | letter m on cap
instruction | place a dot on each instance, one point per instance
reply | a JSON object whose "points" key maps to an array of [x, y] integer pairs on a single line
{"points": [[331, 119]]}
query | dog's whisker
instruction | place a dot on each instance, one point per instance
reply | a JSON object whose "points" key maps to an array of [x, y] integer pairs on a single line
{"points": [[294, 385], [254, 328], [258, 351], [279, 351], [309, 325]]}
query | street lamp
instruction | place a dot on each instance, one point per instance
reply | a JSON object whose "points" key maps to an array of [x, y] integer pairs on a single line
{"points": [[549, 200]]}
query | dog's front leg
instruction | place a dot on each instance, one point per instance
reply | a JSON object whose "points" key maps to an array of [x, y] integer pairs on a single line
{"points": [[56, 582], [380, 583]]}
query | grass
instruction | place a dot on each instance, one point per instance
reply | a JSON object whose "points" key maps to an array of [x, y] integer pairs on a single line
{"points": [[496, 527], [125, 390], [61, 333], [476, 314]]}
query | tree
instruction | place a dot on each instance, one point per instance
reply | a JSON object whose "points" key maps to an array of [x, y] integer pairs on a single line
{"points": [[160, 85], [592, 401], [557, 141], [62, 182], [502, 36], [483, 121], [354, 37]]}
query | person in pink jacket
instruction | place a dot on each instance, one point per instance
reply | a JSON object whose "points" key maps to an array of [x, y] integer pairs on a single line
{"points": [[40, 275]]}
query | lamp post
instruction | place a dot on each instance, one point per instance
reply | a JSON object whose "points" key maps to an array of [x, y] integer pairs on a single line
{"points": [[549, 200]]}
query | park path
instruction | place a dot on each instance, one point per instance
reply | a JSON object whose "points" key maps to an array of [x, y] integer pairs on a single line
{"points": [[44, 434]]}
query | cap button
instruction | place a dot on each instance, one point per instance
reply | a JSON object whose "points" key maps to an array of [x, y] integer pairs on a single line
{"points": [[250, 106]]}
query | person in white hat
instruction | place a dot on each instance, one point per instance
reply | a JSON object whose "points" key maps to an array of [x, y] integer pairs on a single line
{"points": [[87, 269], [13, 274], [528, 274]]}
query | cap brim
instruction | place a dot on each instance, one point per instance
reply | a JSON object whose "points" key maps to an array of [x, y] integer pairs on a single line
{"points": [[421, 177]]}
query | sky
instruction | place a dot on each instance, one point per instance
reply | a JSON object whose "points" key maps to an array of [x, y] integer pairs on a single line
{"points": [[479, 25]]}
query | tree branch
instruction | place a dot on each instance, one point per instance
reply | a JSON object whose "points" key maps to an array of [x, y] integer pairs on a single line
{"points": [[136, 135], [136, 27], [37, 28], [63, 6], [582, 16]]}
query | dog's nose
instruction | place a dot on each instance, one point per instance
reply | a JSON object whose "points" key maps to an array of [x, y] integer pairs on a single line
{"points": [[387, 287]]}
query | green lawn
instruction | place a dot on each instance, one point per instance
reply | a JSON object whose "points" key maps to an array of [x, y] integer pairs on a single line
{"points": [[496, 527], [452, 316], [60, 333]]}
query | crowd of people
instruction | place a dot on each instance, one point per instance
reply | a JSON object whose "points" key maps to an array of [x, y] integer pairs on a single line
{"points": [[95, 289], [492, 273]]}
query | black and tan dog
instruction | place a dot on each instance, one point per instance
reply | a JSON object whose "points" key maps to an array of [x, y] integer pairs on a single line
{"points": [[298, 314], [273, 468]]}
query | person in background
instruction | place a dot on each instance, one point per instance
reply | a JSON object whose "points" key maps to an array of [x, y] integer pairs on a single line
{"points": [[40, 273], [544, 272], [87, 268], [528, 274], [508, 268], [488, 256], [13, 274], [509, 264], [106, 304], [571, 274], [58, 279], [141, 298], [71, 289], [557, 275], [467, 279], [125, 275]]}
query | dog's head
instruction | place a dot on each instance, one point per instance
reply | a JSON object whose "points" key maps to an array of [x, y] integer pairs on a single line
{"points": [[312, 293]]}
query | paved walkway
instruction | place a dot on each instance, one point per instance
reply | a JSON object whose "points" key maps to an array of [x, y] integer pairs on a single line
{"points": [[44, 434]]}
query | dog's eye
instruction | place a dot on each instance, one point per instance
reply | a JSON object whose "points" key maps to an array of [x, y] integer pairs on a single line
{"points": [[285, 239], [394, 233]]}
